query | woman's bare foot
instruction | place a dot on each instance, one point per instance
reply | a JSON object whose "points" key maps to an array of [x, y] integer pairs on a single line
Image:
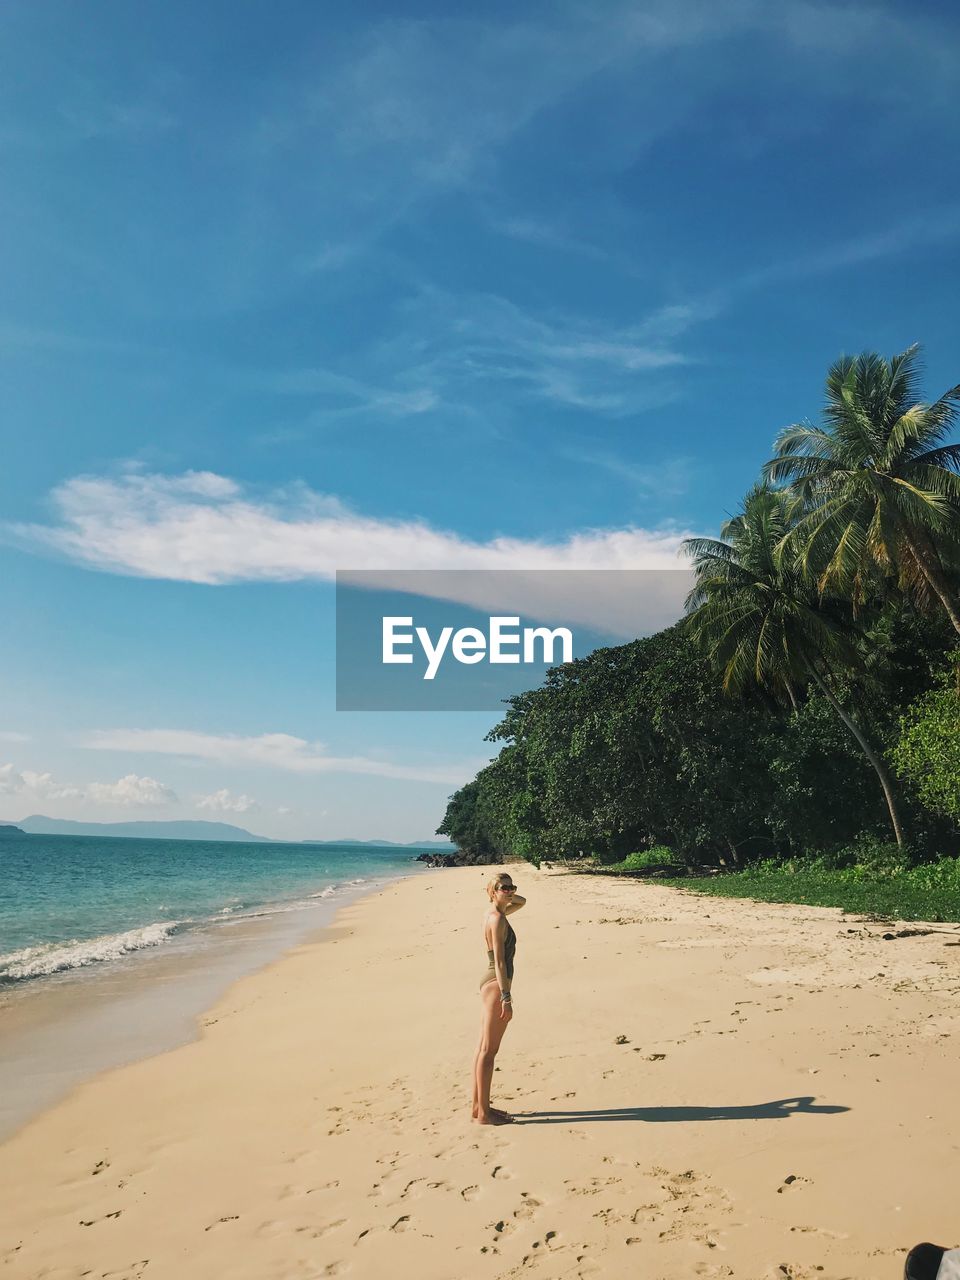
{"points": [[494, 1117], [494, 1111]]}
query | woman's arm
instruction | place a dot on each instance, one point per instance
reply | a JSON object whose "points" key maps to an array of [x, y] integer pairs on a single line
{"points": [[516, 902], [500, 966]]}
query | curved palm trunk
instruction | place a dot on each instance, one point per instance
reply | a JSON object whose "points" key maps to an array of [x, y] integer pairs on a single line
{"points": [[931, 568], [868, 751], [792, 696]]}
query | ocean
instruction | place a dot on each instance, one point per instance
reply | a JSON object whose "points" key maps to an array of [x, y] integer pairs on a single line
{"points": [[76, 902], [112, 948]]}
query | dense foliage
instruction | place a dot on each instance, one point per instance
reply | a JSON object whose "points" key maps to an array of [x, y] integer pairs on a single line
{"points": [[805, 700], [928, 751]]}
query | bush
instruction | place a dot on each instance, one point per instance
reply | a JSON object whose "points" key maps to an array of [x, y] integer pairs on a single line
{"points": [[869, 857], [659, 856], [928, 752]]}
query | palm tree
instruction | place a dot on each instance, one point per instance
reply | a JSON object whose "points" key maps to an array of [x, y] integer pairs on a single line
{"points": [[762, 622], [879, 483]]}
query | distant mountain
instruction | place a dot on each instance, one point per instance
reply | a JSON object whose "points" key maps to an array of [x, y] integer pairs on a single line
{"points": [[389, 844], [8, 831], [40, 825]]}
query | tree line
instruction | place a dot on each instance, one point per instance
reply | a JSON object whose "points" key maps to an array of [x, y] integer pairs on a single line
{"points": [[810, 696]]}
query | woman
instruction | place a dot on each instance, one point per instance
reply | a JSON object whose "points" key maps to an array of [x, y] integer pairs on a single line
{"points": [[495, 995]]}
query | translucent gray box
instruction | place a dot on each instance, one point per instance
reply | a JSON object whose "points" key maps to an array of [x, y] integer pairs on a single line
{"points": [[464, 640]]}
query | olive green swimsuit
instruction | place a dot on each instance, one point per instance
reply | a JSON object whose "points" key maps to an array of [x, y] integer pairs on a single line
{"points": [[509, 951]]}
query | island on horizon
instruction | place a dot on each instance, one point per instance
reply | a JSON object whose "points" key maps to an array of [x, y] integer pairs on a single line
{"points": [[38, 824]]}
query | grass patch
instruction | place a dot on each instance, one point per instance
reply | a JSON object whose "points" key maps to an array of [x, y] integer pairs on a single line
{"points": [[645, 860], [927, 892]]}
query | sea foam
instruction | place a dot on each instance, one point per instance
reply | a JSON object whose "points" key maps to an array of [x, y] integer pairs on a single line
{"points": [[53, 957]]}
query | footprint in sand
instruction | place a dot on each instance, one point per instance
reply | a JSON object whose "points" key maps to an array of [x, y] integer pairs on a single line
{"points": [[291, 1191], [317, 1232], [592, 1187], [131, 1272], [608, 1216], [470, 1193], [233, 1217], [427, 1186], [822, 1231], [528, 1207], [792, 1180], [501, 1172]]}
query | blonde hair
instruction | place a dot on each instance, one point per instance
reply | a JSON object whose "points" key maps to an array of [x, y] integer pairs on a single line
{"points": [[494, 884]]}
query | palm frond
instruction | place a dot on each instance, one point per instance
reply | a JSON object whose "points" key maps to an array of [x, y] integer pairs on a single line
{"points": [[947, 455]]}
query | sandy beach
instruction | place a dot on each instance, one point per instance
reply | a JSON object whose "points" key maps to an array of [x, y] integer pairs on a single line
{"points": [[703, 1088]]}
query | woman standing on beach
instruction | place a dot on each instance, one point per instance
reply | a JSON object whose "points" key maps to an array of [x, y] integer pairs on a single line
{"points": [[495, 996]]}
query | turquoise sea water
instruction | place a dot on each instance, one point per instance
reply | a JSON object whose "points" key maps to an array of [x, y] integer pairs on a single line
{"points": [[74, 902]]}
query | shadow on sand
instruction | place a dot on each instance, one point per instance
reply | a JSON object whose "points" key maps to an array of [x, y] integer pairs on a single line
{"points": [[778, 1110]]}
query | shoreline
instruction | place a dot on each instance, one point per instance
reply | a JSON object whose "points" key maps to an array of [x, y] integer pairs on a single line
{"points": [[62, 1029], [703, 1087]]}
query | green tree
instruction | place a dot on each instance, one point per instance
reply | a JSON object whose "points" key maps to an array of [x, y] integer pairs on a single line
{"points": [[928, 751], [764, 625], [878, 483]]}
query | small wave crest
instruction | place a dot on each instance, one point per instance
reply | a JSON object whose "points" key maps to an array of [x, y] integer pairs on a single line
{"points": [[53, 957]]}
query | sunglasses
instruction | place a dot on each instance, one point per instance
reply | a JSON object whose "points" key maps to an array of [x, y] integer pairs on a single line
{"points": [[508, 888]]}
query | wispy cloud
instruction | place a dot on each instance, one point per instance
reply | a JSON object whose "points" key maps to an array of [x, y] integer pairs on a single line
{"points": [[933, 226], [131, 791], [546, 235], [340, 395], [457, 344], [454, 353], [409, 110], [669, 478], [203, 527], [279, 751], [78, 111]]}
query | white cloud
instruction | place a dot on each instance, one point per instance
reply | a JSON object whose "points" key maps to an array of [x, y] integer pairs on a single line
{"points": [[204, 528], [224, 801], [10, 735], [272, 750], [131, 790], [41, 785], [128, 792]]}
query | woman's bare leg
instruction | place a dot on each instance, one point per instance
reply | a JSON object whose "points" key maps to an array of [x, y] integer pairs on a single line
{"points": [[475, 1103], [492, 1029]]}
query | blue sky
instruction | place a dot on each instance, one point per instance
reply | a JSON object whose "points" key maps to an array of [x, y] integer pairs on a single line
{"points": [[287, 290]]}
